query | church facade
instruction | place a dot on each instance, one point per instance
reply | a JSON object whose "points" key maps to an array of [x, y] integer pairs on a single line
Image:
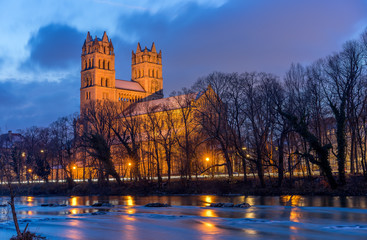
{"points": [[98, 81]]}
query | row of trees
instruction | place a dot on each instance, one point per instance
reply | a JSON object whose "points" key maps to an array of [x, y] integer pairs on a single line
{"points": [[312, 122]]}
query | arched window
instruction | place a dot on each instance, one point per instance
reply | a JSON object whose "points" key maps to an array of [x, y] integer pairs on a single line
{"points": [[102, 82], [149, 72], [157, 74], [99, 63], [139, 73], [106, 82], [104, 64], [104, 50], [153, 73], [108, 65]]}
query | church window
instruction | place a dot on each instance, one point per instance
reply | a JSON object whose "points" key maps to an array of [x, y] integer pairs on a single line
{"points": [[99, 63], [157, 74], [102, 82], [149, 72], [106, 82], [104, 50], [108, 65], [153, 73], [104, 64]]}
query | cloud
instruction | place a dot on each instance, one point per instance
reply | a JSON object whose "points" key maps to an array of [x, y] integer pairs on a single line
{"points": [[245, 36], [54, 47], [37, 103]]}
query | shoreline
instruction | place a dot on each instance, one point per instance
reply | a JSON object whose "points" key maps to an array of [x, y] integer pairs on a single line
{"points": [[220, 187]]}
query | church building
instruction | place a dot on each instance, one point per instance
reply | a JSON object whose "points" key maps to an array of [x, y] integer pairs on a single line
{"points": [[98, 81]]}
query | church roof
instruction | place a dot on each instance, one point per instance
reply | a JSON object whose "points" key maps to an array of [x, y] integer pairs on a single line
{"points": [[163, 104], [129, 85]]}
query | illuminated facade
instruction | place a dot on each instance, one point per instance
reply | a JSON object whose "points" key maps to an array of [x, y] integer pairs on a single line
{"points": [[98, 81]]}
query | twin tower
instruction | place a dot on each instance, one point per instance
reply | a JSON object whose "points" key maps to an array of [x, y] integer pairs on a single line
{"points": [[98, 80]]}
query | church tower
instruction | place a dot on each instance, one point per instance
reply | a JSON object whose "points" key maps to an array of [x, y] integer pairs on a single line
{"points": [[146, 69], [97, 70]]}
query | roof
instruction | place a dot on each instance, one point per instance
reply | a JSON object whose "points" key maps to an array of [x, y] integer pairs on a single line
{"points": [[7, 140], [129, 85], [163, 104]]}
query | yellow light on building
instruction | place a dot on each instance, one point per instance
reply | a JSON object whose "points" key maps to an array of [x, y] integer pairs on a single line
{"points": [[23, 154], [248, 155], [30, 170], [129, 163], [74, 167], [42, 151], [207, 159]]}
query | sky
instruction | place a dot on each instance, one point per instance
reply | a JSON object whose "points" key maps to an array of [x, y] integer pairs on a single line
{"points": [[41, 41]]}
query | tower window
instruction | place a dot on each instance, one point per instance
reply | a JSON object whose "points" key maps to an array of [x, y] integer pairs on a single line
{"points": [[102, 82], [108, 65], [99, 63], [106, 82], [104, 64]]}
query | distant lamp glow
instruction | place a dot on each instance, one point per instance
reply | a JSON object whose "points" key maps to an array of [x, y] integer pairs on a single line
{"points": [[248, 155], [74, 167], [42, 151], [244, 148], [129, 163], [23, 154], [30, 170], [207, 159]]}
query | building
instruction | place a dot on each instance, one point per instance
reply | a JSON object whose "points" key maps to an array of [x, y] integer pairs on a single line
{"points": [[98, 81]]}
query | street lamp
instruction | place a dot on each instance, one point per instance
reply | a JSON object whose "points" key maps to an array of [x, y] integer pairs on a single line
{"points": [[207, 159], [42, 151], [129, 163]]}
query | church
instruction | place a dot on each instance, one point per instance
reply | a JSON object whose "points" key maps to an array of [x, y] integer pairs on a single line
{"points": [[98, 81]]}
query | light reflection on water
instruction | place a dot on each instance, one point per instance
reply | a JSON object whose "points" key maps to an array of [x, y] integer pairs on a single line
{"points": [[128, 214]]}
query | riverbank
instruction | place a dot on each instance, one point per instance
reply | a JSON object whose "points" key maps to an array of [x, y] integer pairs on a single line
{"points": [[356, 186]]}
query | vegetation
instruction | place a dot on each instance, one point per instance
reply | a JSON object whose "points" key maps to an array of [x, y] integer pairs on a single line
{"points": [[310, 125]]}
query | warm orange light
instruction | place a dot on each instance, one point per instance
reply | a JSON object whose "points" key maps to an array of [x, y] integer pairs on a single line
{"points": [[207, 159], [129, 164], [23, 154], [244, 148], [42, 151], [30, 170], [74, 167], [248, 155]]}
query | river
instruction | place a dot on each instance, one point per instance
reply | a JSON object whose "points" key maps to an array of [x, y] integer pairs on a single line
{"points": [[190, 217]]}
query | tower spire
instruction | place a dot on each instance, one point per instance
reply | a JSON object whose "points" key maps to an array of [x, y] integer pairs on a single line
{"points": [[153, 48], [89, 38], [105, 37], [138, 48]]}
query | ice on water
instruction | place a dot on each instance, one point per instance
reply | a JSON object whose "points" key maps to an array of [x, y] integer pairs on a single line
{"points": [[129, 219]]}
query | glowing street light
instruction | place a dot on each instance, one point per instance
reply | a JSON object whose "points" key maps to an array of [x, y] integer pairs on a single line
{"points": [[74, 167], [42, 151], [29, 170], [23, 154], [207, 159], [248, 155], [129, 163]]}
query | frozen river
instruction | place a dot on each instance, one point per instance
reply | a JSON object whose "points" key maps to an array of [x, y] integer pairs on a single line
{"points": [[285, 217]]}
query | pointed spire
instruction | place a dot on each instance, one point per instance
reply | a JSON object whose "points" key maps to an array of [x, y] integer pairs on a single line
{"points": [[145, 49], [105, 37], [89, 38], [153, 48], [138, 48], [111, 45]]}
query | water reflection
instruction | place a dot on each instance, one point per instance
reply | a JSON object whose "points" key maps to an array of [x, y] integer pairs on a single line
{"points": [[208, 213]]}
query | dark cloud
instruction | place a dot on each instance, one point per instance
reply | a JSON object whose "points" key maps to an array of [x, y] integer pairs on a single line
{"points": [[245, 36], [54, 47], [37, 103]]}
